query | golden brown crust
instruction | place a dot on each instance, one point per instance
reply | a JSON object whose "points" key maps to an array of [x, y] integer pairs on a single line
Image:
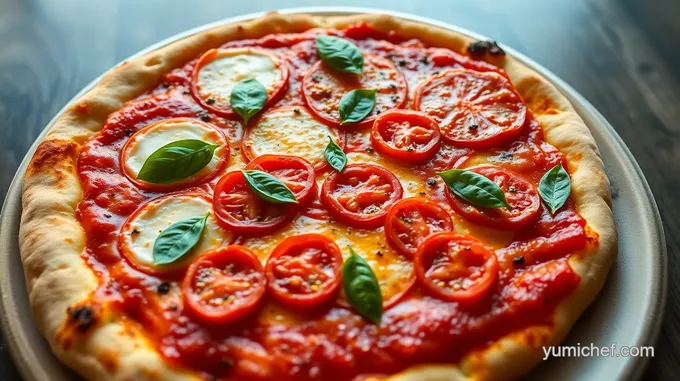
{"points": [[51, 239]]}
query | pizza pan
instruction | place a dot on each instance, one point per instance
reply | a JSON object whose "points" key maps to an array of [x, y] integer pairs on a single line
{"points": [[628, 312]]}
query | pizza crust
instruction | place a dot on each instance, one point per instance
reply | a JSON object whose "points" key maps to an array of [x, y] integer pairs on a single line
{"points": [[51, 239]]}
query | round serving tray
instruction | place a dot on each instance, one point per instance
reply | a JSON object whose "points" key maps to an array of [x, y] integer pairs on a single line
{"points": [[628, 311]]}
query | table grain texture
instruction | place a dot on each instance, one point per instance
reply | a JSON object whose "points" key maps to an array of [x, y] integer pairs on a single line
{"points": [[622, 55]]}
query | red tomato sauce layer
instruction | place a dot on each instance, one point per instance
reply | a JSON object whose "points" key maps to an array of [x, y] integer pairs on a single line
{"points": [[329, 343]]}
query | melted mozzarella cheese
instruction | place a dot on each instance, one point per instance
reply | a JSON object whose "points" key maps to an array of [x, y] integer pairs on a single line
{"points": [[217, 79], [287, 132], [157, 215], [150, 139]]}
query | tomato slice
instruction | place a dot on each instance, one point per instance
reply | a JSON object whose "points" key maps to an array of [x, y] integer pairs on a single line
{"points": [[293, 171], [411, 220], [406, 135], [456, 267], [304, 270], [323, 87], [269, 70], [360, 195], [525, 203], [237, 208], [224, 285], [474, 109]]}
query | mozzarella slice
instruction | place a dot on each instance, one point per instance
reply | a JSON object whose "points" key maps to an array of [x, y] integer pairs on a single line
{"points": [[289, 131], [218, 77], [140, 233], [148, 140]]}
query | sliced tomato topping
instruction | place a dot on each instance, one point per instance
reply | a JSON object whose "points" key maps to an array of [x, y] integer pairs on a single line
{"points": [[239, 209], [323, 87], [218, 71], [224, 285], [474, 109], [411, 220], [456, 267], [294, 171], [361, 194], [304, 270], [406, 135], [525, 203]]}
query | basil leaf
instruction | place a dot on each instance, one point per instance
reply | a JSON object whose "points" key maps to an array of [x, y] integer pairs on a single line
{"points": [[340, 54], [178, 239], [176, 161], [268, 187], [555, 187], [474, 188], [355, 105], [248, 98], [362, 288], [335, 156]]}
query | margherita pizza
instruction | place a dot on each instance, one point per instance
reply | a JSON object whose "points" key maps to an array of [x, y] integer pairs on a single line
{"points": [[315, 198]]}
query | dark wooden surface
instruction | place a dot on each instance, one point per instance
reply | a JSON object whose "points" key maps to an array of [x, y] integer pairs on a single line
{"points": [[622, 55]]}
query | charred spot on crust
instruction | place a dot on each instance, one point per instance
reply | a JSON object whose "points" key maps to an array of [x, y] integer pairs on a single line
{"points": [[480, 48], [83, 317], [51, 152]]}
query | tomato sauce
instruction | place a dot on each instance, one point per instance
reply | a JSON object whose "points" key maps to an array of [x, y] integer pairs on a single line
{"points": [[328, 343]]}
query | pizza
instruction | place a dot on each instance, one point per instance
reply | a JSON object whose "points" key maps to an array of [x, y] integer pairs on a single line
{"points": [[315, 198]]}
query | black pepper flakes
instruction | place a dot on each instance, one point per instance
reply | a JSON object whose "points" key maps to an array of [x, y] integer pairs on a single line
{"points": [[210, 101], [424, 60], [401, 63], [431, 182], [379, 253], [163, 288], [518, 260], [186, 92], [128, 131], [422, 193], [369, 150], [107, 215], [473, 126], [296, 111], [205, 118]]}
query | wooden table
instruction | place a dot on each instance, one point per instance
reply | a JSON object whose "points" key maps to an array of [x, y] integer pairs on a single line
{"points": [[622, 55]]}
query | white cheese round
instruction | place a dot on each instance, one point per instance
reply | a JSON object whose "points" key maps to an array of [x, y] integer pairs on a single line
{"points": [[217, 78], [288, 131], [140, 233], [148, 140]]}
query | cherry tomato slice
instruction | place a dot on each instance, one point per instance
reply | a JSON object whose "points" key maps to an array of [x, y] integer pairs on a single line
{"points": [[525, 203], [216, 97], [456, 267], [406, 135], [224, 285], [239, 209], [293, 171], [304, 270], [323, 87], [411, 220], [360, 195], [474, 109]]}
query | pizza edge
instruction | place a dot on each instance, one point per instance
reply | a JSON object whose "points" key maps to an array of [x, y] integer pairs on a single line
{"points": [[52, 240]]}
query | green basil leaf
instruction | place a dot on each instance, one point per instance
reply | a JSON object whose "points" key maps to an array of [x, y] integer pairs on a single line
{"points": [[474, 188], [176, 161], [340, 54], [248, 98], [335, 156], [355, 105], [175, 241], [362, 288], [268, 187], [555, 187]]}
